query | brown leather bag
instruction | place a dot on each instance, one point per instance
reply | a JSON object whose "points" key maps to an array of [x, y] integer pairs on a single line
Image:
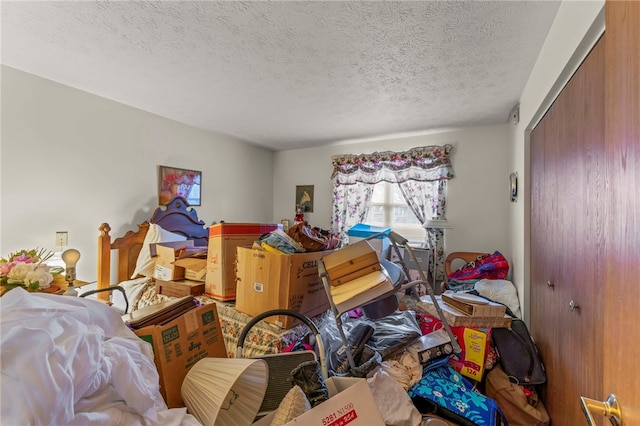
{"points": [[518, 408], [310, 239]]}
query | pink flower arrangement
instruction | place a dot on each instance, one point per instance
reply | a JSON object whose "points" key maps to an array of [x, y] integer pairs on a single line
{"points": [[26, 268]]}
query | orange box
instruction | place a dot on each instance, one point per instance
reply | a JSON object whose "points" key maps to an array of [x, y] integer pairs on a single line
{"points": [[224, 238]]}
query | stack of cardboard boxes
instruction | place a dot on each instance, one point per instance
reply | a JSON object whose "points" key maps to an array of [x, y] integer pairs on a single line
{"points": [[257, 280], [180, 268]]}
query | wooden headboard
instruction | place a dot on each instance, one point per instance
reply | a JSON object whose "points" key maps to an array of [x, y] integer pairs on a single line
{"points": [[177, 217]]}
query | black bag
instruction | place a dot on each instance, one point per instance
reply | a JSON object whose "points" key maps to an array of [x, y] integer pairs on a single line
{"points": [[518, 354]]}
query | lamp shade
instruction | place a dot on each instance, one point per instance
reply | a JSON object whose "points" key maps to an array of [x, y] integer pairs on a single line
{"points": [[436, 224], [225, 391]]}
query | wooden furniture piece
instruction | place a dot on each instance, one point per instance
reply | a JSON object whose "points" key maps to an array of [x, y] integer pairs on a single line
{"points": [[585, 233], [466, 256], [176, 217]]}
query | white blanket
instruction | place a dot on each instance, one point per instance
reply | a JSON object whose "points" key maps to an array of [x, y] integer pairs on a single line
{"points": [[72, 361]]}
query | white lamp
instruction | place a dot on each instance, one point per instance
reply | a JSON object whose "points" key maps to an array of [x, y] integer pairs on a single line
{"points": [[225, 391], [436, 224], [70, 258]]}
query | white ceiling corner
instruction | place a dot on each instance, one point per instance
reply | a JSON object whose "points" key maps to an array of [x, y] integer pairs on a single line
{"points": [[285, 74]]}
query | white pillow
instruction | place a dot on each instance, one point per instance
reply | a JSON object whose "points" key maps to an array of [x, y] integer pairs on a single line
{"points": [[502, 291], [145, 263]]}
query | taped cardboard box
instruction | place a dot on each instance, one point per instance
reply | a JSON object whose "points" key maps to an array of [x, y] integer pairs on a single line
{"points": [[179, 344], [280, 281], [224, 238]]}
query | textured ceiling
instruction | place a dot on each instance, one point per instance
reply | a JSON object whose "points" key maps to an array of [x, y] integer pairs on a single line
{"points": [[289, 75]]}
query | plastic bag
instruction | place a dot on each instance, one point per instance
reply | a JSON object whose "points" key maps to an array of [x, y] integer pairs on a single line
{"points": [[394, 403], [391, 334]]}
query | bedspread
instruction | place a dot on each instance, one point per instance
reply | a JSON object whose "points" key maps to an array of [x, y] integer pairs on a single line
{"points": [[72, 361], [263, 338]]}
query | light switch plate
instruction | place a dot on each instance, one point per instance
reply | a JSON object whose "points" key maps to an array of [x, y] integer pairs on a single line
{"points": [[62, 238]]}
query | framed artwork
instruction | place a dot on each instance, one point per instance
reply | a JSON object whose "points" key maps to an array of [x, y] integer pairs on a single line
{"points": [[304, 197], [175, 182]]}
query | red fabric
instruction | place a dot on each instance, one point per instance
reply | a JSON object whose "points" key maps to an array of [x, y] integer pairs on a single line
{"points": [[491, 267]]}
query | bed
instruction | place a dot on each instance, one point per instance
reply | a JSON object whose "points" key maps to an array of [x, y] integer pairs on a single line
{"points": [[122, 254]]}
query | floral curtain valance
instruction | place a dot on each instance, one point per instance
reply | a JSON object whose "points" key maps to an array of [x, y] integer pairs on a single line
{"points": [[428, 163]]}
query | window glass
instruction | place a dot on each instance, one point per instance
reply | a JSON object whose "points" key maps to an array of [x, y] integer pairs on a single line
{"points": [[389, 210]]}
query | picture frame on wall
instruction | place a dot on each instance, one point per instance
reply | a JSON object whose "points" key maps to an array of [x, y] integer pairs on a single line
{"points": [[174, 182], [304, 198]]}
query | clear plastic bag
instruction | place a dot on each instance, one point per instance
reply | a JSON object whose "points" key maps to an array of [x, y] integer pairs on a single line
{"points": [[391, 334]]}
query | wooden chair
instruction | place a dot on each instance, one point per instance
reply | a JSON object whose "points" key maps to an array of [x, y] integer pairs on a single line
{"points": [[466, 256]]}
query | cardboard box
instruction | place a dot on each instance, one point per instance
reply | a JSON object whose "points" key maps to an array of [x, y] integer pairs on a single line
{"points": [[350, 402], [475, 347], [165, 255], [351, 262], [179, 344], [224, 238], [456, 318], [179, 288], [280, 281], [195, 268], [381, 244]]}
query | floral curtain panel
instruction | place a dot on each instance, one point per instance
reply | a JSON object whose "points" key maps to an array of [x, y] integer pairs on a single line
{"points": [[423, 164], [421, 174]]}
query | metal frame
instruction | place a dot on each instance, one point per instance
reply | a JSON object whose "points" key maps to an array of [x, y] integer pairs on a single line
{"points": [[396, 241]]}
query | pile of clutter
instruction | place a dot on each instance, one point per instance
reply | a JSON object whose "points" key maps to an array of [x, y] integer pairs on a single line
{"points": [[300, 238]]}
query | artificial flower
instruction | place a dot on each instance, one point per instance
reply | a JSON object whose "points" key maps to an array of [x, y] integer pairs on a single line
{"points": [[27, 268]]}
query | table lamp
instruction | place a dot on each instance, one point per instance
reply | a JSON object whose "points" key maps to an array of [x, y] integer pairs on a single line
{"points": [[70, 258]]}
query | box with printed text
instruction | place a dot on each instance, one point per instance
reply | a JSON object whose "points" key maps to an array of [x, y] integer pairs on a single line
{"points": [[269, 280]]}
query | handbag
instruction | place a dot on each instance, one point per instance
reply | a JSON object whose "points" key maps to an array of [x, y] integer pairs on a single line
{"points": [[518, 354], [310, 238], [444, 392], [520, 404]]}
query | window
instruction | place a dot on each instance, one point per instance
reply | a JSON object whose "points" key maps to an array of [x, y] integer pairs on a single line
{"points": [[389, 210]]}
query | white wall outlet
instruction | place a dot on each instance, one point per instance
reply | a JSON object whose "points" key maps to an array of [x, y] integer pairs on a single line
{"points": [[62, 238]]}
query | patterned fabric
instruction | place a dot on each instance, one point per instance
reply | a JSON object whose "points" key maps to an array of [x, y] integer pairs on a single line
{"points": [[427, 200], [420, 172], [454, 398], [262, 339], [492, 266], [427, 163], [350, 206]]}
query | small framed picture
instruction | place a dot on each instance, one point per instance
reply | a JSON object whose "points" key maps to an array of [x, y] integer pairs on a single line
{"points": [[174, 182], [304, 198], [285, 224]]}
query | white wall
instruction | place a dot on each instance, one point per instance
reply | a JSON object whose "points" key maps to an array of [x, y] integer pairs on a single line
{"points": [[71, 160], [477, 201], [575, 30]]}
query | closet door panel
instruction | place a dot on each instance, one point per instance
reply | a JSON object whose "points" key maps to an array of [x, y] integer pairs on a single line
{"points": [[622, 338], [567, 152]]}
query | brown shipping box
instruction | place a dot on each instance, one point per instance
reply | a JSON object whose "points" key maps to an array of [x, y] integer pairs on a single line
{"points": [[224, 238], [280, 281], [165, 255], [179, 344]]}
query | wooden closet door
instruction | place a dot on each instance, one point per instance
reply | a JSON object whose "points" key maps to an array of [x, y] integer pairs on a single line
{"points": [[567, 268], [621, 323]]}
